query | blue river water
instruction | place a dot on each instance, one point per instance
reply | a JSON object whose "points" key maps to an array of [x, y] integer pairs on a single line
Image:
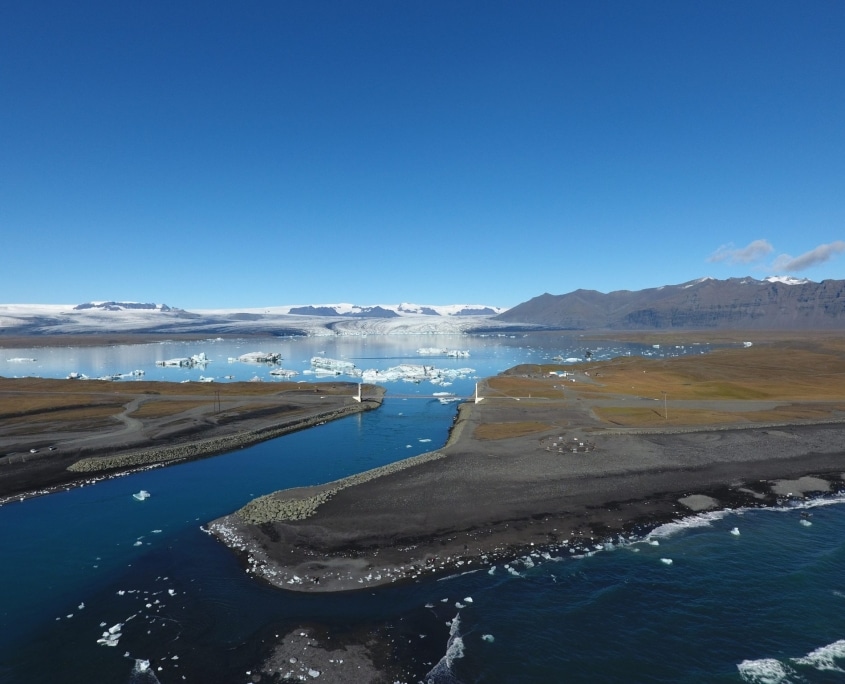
{"points": [[749, 596]]}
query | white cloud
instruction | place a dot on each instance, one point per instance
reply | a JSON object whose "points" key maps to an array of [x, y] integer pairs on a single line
{"points": [[816, 256], [754, 251]]}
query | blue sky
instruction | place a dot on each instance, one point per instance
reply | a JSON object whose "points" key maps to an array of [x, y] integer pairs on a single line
{"points": [[219, 154]]}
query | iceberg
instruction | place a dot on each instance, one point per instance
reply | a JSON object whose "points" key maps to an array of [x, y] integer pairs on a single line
{"points": [[284, 373], [186, 361], [437, 351], [408, 372], [142, 495], [258, 357], [325, 364]]}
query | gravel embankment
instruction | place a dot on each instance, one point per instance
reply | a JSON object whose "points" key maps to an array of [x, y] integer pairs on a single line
{"points": [[206, 447], [286, 505]]}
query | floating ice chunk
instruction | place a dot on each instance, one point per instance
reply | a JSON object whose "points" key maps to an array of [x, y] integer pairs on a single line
{"points": [[259, 357], [488, 638], [468, 599], [111, 636], [313, 673], [805, 522], [459, 605], [323, 363], [142, 495], [667, 561], [171, 592], [735, 531], [654, 542]]}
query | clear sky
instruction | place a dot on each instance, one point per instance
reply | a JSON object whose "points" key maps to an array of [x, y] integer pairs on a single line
{"points": [[232, 154]]}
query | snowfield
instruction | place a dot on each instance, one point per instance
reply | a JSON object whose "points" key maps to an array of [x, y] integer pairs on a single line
{"points": [[334, 319]]}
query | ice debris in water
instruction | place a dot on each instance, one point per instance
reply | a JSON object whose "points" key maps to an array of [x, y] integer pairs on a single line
{"points": [[142, 495], [805, 522], [488, 638], [667, 561], [735, 531], [111, 636]]}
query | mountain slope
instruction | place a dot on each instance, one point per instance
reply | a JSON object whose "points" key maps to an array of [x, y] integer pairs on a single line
{"points": [[737, 303]]}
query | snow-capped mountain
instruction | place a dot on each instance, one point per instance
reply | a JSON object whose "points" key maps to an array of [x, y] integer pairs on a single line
{"points": [[310, 319]]}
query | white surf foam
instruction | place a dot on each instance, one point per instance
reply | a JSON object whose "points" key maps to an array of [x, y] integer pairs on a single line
{"points": [[824, 658], [764, 671], [442, 672], [684, 524], [772, 671], [142, 673]]}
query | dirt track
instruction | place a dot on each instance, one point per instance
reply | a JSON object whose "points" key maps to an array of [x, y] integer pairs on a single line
{"points": [[56, 432]]}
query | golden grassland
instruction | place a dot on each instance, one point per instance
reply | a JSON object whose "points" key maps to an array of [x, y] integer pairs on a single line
{"points": [[490, 431], [790, 379], [36, 401]]}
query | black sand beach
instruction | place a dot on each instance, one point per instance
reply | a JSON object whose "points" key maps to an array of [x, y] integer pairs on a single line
{"points": [[482, 501]]}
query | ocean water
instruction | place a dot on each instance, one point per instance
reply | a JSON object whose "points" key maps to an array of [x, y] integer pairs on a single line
{"points": [[743, 596]]}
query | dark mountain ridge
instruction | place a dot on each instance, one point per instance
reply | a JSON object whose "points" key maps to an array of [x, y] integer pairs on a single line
{"points": [[735, 303]]}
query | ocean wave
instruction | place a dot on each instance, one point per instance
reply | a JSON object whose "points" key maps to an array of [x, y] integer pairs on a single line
{"points": [[823, 658], [773, 671], [442, 672], [764, 671]]}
